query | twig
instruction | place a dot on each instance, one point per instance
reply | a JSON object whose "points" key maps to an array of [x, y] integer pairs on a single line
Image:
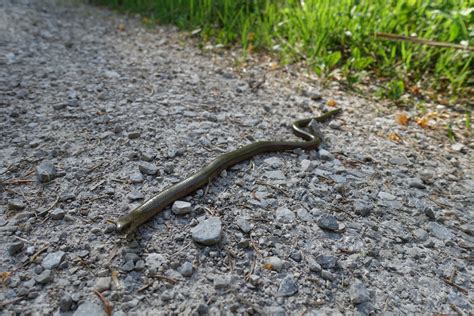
{"points": [[107, 306], [274, 187], [13, 301], [17, 181], [143, 288], [456, 309], [448, 281], [422, 41], [168, 279], [35, 255]]}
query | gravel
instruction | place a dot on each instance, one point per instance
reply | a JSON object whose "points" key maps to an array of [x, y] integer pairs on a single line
{"points": [[99, 112]]}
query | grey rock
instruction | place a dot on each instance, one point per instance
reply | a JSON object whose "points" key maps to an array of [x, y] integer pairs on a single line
{"points": [[335, 125], [111, 74], [325, 155], [139, 265], [416, 183], [15, 247], [288, 286], [304, 215], [45, 277], [52, 259], [326, 261], [221, 281], [65, 302], [274, 263], [273, 162], [186, 269], [57, 214], [134, 135], [137, 177], [148, 168], [459, 147], [274, 311], [155, 261], [244, 225], [328, 222], [128, 266], [386, 196], [89, 308], [275, 175], [467, 228], [46, 172], [306, 165], [208, 232], [16, 205], [313, 265], [358, 293], [326, 275], [439, 231], [420, 234], [284, 215], [296, 255], [135, 196], [103, 284], [181, 207], [67, 196], [362, 207]]}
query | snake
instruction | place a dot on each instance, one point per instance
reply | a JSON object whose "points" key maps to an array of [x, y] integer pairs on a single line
{"points": [[143, 213]]}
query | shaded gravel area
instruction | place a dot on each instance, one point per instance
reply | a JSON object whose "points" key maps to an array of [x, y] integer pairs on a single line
{"points": [[98, 113]]}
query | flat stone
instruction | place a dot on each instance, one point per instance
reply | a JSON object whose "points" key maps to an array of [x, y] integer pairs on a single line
{"points": [[65, 302], [296, 255], [420, 234], [148, 168], [275, 175], [16, 205], [284, 215], [15, 247], [46, 172], [386, 196], [327, 261], [135, 196], [155, 261], [306, 165], [52, 259], [134, 135], [439, 231], [186, 269], [181, 207], [103, 284], [328, 222], [208, 232], [313, 265], [273, 263], [45, 277], [288, 286], [304, 215], [358, 293], [139, 265], [458, 147], [416, 183], [221, 281], [325, 155], [273, 162], [244, 225], [89, 308], [137, 177], [128, 266], [57, 214]]}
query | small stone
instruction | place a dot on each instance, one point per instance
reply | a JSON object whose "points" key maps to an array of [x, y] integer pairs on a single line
{"points": [[15, 247], [386, 196], [137, 177], [155, 261], [296, 255], [181, 207], [52, 259], [275, 175], [148, 168], [458, 147], [111, 74], [288, 286], [358, 293], [416, 183], [135, 195], [244, 225], [139, 265], [45, 277], [254, 279], [59, 106], [16, 205], [304, 215], [88, 308], [327, 261], [284, 215], [186, 269], [467, 228], [67, 196], [147, 155], [273, 263], [134, 135], [46, 172], [273, 162], [325, 155], [208, 232], [313, 265], [57, 214], [221, 281], [103, 284], [128, 266], [306, 165], [326, 275], [439, 231], [362, 207], [328, 222], [420, 234], [65, 303], [335, 125]]}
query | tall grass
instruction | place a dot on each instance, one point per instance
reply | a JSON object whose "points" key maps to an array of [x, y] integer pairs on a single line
{"points": [[337, 34]]}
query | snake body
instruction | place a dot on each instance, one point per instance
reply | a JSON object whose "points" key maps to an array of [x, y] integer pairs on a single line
{"points": [[153, 206]]}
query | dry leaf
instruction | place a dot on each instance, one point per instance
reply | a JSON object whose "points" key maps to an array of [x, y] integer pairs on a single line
{"points": [[268, 266], [146, 20], [394, 137], [402, 118], [108, 308], [4, 276], [331, 102], [423, 122], [121, 27]]}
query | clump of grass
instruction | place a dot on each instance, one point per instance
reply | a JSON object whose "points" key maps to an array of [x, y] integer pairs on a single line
{"points": [[337, 34]]}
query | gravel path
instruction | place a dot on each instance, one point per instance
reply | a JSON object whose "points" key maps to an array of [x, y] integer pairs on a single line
{"points": [[98, 113]]}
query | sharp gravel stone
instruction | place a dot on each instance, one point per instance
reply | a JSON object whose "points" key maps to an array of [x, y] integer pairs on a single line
{"points": [[288, 286], [65, 303], [208, 232], [328, 222], [57, 214], [103, 284], [16, 205], [181, 207], [325, 155], [46, 171], [45, 277], [148, 168], [53, 259], [284, 215], [275, 175], [15, 247], [186, 269], [358, 293], [244, 225]]}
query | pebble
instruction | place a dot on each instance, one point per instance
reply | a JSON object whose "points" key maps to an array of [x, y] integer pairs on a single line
{"points": [[362, 207], [16, 205], [139, 265], [459, 147], [103, 284], [306, 165], [57, 214], [439, 231], [154, 261], [186, 269], [288, 286], [65, 302], [208, 232], [181, 207], [416, 183], [273, 162], [89, 308], [274, 263], [221, 281], [313, 265], [45, 277], [52, 259], [135, 196], [386, 196], [15, 247], [137, 177], [358, 293], [275, 175], [147, 168], [304, 215], [325, 155], [326, 261], [244, 225], [46, 171], [128, 266], [296, 255], [328, 222], [284, 215]]}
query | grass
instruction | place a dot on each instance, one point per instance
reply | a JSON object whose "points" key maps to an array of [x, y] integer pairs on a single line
{"points": [[337, 36]]}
